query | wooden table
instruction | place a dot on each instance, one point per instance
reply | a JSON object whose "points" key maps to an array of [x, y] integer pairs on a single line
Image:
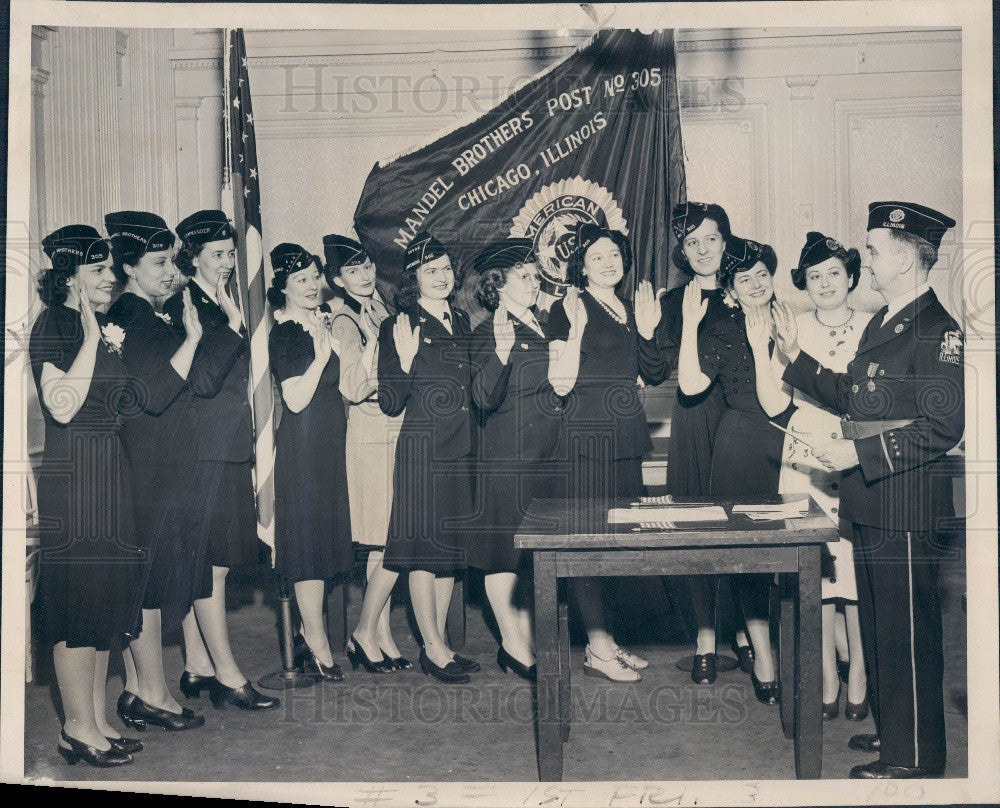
{"points": [[572, 538]]}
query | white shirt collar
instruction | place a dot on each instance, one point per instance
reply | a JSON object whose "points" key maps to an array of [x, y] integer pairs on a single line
{"points": [[898, 303], [437, 308], [526, 316]]}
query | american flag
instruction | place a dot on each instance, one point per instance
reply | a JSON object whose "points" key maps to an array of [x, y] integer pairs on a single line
{"points": [[252, 276]]}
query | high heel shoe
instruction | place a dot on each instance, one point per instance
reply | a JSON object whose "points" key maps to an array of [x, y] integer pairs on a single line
{"points": [[703, 669], [192, 684], [507, 662], [357, 657], [856, 712], [321, 672], [745, 656], [136, 713], [450, 674], [74, 751], [832, 710], [128, 745], [467, 665], [766, 692], [246, 697], [400, 663]]}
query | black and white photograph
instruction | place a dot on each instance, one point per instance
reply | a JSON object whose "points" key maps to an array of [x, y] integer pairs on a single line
{"points": [[537, 404]]}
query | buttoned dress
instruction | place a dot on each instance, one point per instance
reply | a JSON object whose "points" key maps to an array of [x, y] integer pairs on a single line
{"points": [[432, 515], [520, 435], [816, 426]]}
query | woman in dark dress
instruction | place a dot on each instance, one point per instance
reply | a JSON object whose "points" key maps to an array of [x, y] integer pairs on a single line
{"points": [[91, 569], [747, 457], [517, 446], [220, 461], [600, 347], [311, 511], [424, 368], [701, 231], [159, 359]]}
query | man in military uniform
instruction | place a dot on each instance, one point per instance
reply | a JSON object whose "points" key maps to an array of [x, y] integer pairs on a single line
{"points": [[902, 399]]}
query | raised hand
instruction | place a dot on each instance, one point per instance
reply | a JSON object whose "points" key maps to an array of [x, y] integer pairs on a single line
{"points": [[407, 341], [758, 326], [647, 309], [322, 348], [503, 333], [91, 328], [786, 330], [228, 305], [693, 308], [576, 313], [192, 323]]}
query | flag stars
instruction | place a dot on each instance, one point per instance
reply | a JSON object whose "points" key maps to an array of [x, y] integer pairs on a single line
{"points": [[250, 119], [236, 102], [253, 173]]}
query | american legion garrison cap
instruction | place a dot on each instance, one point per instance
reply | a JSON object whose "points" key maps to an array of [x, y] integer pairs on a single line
{"points": [[927, 223], [504, 254], [422, 249], [205, 226], [742, 254], [136, 229], [288, 258], [341, 251], [688, 216], [75, 244]]}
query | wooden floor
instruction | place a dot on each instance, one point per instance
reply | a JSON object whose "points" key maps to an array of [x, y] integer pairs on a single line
{"points": [[406, 727]]}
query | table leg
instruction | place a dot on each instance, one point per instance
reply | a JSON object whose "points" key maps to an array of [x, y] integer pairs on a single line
{"points": [[809, 669], [786, 653], [548, 716], [564, 697]]}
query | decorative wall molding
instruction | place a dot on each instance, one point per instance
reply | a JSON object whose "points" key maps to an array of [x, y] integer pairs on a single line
{"points": [[849, 113], [187, 109], [782, 39], [801, 86], [346, 126], [121, 48], [39, 78]]}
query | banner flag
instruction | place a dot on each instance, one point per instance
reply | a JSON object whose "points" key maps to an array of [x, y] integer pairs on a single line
{"points": [[596, 137]]}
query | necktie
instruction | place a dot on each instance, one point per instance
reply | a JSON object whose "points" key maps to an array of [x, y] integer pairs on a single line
{"points": [[446, 318]]}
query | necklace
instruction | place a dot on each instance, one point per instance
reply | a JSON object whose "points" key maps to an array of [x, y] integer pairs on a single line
{"points": [[614, 315], [839, 325]]}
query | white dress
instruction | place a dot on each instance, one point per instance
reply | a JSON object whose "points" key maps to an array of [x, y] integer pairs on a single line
{"points": [[833, 347]]}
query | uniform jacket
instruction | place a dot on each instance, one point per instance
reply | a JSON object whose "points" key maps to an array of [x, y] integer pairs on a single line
{"points": [[522, 412], [437, 392], [221, 408], [910, 367]]}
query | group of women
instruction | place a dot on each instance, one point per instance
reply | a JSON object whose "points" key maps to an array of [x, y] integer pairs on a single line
{"points": [[404, 430]]}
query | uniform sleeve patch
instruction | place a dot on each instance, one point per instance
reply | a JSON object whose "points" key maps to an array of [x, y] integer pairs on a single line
{"points": [[951, 348]]}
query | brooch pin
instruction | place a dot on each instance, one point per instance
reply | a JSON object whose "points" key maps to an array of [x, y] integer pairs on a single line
{"points": [[427, 340], [899, 328], [524, 346], [872, 369]]}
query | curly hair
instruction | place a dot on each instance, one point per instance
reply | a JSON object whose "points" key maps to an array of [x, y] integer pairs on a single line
{"points": [[728, 272], [850, 260], [276, 291], [408, 289], [717, 214], [53, 283], [121, 258], [574, 266], [489, 284]]}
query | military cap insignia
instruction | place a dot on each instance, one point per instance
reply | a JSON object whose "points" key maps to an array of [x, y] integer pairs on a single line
{"points": [[896, 215], [951, 347], [833, 245]]}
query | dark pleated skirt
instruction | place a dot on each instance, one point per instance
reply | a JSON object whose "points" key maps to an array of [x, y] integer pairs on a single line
{"points": [[229, 516], [504, 493], [433, 520], [92, 573], [693, 426]]}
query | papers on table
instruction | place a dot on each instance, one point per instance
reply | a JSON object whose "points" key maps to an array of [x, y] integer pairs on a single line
{"points": [[667, 516], [781, 510]]}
